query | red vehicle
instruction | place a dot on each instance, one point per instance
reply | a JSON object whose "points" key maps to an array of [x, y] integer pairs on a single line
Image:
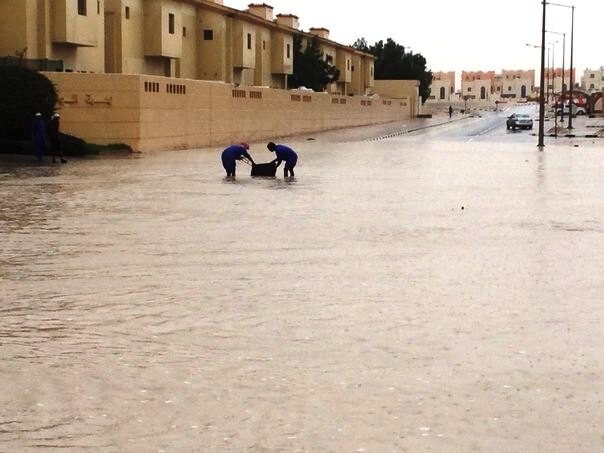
{"points": [[579, 100]]}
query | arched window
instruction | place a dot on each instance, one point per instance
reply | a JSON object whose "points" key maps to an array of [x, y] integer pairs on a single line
{"points": [[442, 92], [523, 91], [483, 93]]}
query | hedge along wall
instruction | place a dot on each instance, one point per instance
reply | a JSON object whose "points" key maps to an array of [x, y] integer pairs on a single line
{"points": [[159, 113]]}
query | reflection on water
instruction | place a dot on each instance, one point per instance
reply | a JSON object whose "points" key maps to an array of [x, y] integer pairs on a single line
{"points": [[148, 304]]}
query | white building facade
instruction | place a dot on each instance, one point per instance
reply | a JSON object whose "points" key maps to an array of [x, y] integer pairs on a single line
{"points": [[593, 80]]}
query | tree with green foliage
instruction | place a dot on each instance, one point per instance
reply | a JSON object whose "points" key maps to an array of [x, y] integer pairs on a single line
{"points": [[393, 63], [311, 70], [23, 92], [362, 45]]}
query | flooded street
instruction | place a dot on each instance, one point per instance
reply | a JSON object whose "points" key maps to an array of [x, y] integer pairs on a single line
{"points": [[429, 292]]}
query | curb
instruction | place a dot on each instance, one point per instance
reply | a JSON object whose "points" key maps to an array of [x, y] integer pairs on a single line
{"points": [[415, 129], [571, 136]]}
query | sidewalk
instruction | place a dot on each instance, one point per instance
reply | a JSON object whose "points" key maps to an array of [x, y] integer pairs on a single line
{"points": [[583, 127], [383, 131]]}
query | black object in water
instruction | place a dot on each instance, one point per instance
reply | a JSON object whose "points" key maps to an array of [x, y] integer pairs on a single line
{"points": [[268, 169]]}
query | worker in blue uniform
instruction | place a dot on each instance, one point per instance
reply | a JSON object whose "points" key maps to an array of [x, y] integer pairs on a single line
{"points": [[284, 154], [39, 136], [232, 154]]}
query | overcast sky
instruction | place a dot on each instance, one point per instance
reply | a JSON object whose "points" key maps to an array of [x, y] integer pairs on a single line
{"points": [[461, 34]]}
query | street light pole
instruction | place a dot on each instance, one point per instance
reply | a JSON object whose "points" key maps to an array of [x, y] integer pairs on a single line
{"points": [[572, 75], [554, 87], [542, 82], [548, 66], [563, 87], [553, 78]]}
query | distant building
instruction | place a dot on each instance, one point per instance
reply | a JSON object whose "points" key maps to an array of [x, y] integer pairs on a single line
{"points": [[593, 80], [515, 84], [477, 85], [556, 79], [442, 87]]}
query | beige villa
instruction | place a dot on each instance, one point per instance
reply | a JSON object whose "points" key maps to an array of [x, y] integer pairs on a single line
{"points": [[189, 39], [515, 83], [170, 74], [593, 80], [477, 85], [442, 87]]}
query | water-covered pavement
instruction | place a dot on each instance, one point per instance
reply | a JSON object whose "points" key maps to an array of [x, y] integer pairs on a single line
{"points": [[438, 291]]}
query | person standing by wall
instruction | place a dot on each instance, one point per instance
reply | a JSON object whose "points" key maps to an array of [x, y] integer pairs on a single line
{"points": [[450, 112], [38, 135], [52, 129], [232, 154], [284, 153]]}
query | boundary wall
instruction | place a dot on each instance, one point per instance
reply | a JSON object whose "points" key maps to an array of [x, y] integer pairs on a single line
{"points": [[160, 113]]}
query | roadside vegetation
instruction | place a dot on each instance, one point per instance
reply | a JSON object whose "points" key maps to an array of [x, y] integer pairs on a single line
{"points": [[311, 70], [393, 63], [23, 93]]}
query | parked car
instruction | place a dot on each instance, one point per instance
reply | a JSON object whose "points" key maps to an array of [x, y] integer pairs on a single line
{"points": [[519, 120], [577, 110]]}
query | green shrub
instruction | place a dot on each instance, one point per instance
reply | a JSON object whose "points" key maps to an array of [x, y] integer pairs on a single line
{"points": [[23, 92], [70, 146], [74, 146]]}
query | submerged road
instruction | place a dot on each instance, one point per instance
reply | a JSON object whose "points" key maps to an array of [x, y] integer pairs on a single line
{"points": [[438, 291], [487, 126]]}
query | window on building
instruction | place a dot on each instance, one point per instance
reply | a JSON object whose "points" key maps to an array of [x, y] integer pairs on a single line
{"points": [[249, 41], [348, 65], [184, 32], [371, 71], [592, 86], [329, 59], [263, 44], [127, 12], [469, 89], [208, 35], [171, 23], [82, 7], [509, 88], [98, 6], [592, 76], [442, 92], [289, 51]]}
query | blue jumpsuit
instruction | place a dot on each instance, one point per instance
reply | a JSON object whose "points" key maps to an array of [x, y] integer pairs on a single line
{"points": [[285, 153], [230, 155], [38, 134]]}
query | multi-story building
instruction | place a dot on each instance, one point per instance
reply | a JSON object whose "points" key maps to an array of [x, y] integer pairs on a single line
{"points": [[477, 85], [342, 58], [593, 80], [443, 86], [190, 39], [557, 82], [515, 84]]}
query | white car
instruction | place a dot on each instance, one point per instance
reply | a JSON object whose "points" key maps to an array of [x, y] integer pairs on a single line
{"points": [[577, 110]]}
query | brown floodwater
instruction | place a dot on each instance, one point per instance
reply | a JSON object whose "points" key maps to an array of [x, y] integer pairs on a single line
{"points": [[398, 295]]}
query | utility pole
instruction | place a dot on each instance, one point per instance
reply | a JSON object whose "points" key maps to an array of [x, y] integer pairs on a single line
{"points": [[572, 72], [563, 87], [542, 82]]}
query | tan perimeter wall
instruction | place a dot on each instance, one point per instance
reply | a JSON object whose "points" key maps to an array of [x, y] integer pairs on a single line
{"points": [[160, 113], [401, 89]]}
